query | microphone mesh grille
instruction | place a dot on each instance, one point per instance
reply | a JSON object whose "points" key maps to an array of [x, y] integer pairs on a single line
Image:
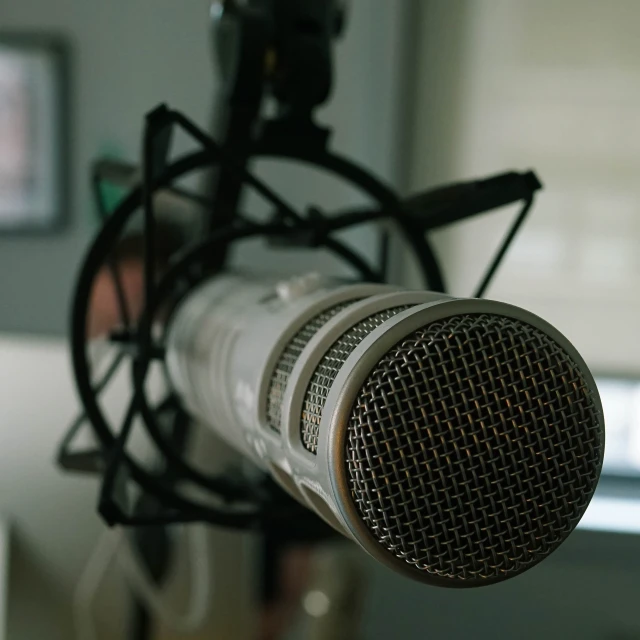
{"points": [[327, 370], [288, 359], [474, 448]]}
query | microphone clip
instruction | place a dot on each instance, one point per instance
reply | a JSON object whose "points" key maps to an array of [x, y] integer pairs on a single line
{"points": [[310, 233]]}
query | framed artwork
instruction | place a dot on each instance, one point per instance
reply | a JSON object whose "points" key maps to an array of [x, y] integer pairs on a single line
{"points": [[33, 132]]}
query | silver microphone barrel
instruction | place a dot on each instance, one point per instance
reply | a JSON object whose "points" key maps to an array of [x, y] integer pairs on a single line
{"points": [[457, 441]]}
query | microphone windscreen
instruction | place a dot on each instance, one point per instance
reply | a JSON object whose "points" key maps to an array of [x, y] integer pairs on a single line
{"points": [[471, 450]]}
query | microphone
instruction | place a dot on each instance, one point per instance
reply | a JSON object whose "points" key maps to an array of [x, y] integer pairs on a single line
{"points": [[457, 441]]}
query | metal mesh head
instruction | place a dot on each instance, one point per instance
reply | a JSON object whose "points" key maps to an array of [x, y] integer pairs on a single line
{"points": [[288, 359], [473, 448], [327, 370]]}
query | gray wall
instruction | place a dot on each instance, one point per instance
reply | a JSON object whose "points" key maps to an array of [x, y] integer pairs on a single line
{"points": [[127, 57], [130, 55]]}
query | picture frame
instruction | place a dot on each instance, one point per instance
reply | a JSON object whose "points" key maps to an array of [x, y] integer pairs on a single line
{"points": [[34, 128]]}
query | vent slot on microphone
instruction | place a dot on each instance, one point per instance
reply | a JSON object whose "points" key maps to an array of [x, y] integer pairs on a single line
{"points": [[326, 372], [288, 358], [474, 448]]}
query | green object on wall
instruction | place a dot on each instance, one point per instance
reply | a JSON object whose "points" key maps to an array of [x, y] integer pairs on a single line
{"points": [[112, 195]]}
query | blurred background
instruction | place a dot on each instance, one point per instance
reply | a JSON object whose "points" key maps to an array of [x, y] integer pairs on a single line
{"points": [[426, 92]]}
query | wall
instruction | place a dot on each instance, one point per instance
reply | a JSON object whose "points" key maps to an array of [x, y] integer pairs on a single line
{"points": [[550, 86], [130, 56], [127, 57]]}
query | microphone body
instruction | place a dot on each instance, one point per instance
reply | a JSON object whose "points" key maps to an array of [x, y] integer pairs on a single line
{"points": [[458, 441]]}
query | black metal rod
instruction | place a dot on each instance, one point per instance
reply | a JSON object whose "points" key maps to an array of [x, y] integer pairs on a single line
{"points": [[506, 243]]}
